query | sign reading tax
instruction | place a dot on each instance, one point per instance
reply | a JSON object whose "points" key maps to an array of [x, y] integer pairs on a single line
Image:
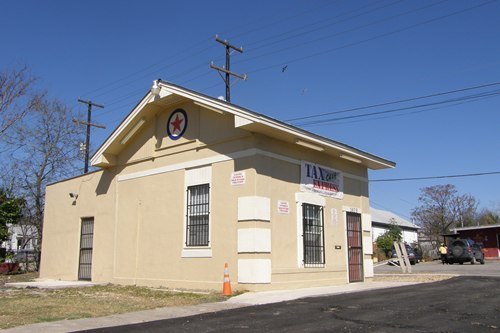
{"points": [[322, 180], [177, 124]]}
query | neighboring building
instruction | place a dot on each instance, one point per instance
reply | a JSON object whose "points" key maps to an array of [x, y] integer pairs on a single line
{"points": [[188, 182], [21, 238], [381, 220], [488, 236]]}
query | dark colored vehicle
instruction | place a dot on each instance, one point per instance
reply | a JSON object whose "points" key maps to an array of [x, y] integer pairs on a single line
{"points": [[412, 257], [464, 250]]}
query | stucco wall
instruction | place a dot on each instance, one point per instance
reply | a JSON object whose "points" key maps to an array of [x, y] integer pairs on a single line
{"points": [[139, 211]]}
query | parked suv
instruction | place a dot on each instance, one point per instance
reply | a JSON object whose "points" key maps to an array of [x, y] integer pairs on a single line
{"points": [[464, 250]]}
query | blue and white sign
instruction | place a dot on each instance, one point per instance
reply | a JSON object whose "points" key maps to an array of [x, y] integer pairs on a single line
{"points": [[177, 124], [322, 180]]}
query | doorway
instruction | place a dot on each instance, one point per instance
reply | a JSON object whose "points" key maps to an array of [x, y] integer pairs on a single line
{"points": [[354, 247], [86, 246]]}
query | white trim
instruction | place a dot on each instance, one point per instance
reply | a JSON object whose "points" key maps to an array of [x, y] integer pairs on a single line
{"points": [[187, 165], [260, 119], [368, 268], [196, 253], [218, 159], [254, 270], [254, 208], [254, 240], [121, 128], [246, 116], [312, 199], [193, 177]]}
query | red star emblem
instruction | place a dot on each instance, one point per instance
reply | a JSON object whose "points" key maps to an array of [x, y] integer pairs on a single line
{"points": [[176, 124]]}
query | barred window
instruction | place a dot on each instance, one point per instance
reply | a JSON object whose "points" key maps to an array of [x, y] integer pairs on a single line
{"points": [[197, 216], [313, 237]]}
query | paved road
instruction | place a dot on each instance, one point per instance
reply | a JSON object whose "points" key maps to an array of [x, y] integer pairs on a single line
{"points": [[490, 268], [460, 304]]}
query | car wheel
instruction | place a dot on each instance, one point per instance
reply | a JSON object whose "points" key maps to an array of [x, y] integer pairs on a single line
{"points": [[482, 261], [457, 251], [473, 260]]}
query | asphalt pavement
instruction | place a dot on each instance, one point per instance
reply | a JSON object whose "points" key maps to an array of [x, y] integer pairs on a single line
{"points": [[240, 301], [400, 295], [459, 304]]}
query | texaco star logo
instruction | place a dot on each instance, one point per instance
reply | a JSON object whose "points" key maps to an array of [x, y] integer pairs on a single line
{"points": [[177, 124]]}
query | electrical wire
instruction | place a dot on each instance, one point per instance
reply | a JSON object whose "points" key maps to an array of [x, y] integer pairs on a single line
{"points": [[397, 101], [355, 43], [274, 39], [390, 33], [115, 84], [436, 177], [460, 99]]}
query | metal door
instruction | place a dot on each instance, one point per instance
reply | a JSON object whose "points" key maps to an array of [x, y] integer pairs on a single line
{"points": [[354, 247], [86, 241]]}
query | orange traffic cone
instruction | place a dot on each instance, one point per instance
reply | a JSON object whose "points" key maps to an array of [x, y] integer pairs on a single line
{"points": [[226, 289]]}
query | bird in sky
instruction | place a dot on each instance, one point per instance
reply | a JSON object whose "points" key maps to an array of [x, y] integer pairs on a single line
{"points": [[284, 69]]}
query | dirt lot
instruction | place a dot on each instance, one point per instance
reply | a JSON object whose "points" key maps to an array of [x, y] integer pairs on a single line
{"points": [[29, 306]]}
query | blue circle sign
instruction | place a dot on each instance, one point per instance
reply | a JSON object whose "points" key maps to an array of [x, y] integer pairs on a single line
{"points": [[177, 124]]}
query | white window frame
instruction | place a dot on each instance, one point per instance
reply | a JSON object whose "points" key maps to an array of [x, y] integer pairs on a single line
{"points": [[194, 177], [312, 199]]}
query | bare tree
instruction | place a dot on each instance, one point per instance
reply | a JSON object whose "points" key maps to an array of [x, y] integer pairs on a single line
{"points": [[442, 208], [47, 150], [488, 217], [16, 96]]}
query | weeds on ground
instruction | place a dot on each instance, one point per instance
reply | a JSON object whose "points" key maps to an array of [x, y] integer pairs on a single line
{"points": [[28, 306]]}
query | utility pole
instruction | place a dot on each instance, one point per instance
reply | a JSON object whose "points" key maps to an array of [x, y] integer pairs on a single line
{"points": [[89, 124], [227, 68]]}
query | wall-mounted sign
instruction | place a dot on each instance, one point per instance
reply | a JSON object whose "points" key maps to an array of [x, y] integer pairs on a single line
{"points": [[283, 207], [238, 178], [322, 180], [177, 124], [335, 218]]}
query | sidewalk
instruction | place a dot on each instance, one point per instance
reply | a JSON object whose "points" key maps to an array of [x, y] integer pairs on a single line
{"points": [[247, 299]]}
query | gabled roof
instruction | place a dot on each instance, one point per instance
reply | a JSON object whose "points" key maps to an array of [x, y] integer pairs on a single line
{"points": [[171, 94], [385, 217]]}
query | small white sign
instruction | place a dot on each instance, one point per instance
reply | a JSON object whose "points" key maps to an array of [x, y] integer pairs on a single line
{"points": [[283, 207], [335, 218], [238, 178]]}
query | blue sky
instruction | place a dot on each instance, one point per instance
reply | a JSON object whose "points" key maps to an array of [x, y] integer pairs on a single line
{"points": [[338, 55]]}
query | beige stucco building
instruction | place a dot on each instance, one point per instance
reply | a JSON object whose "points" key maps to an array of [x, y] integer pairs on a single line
{"points": [[187, 183]]}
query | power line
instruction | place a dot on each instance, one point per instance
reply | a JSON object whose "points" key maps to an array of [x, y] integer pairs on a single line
{"points": [[436, 177], [368, 39], [400, 115], [396, 102], [475, 97], [352, 44], [172, 64], [115, 84], [341, 32], [274, 39], [355, 43]]}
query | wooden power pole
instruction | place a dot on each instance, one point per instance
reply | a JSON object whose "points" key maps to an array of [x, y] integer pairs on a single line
{"points": [[89, 124], [227, 68]]}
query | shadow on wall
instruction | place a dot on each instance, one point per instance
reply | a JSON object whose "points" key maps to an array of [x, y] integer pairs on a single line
{"points": [[104, 182]]}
